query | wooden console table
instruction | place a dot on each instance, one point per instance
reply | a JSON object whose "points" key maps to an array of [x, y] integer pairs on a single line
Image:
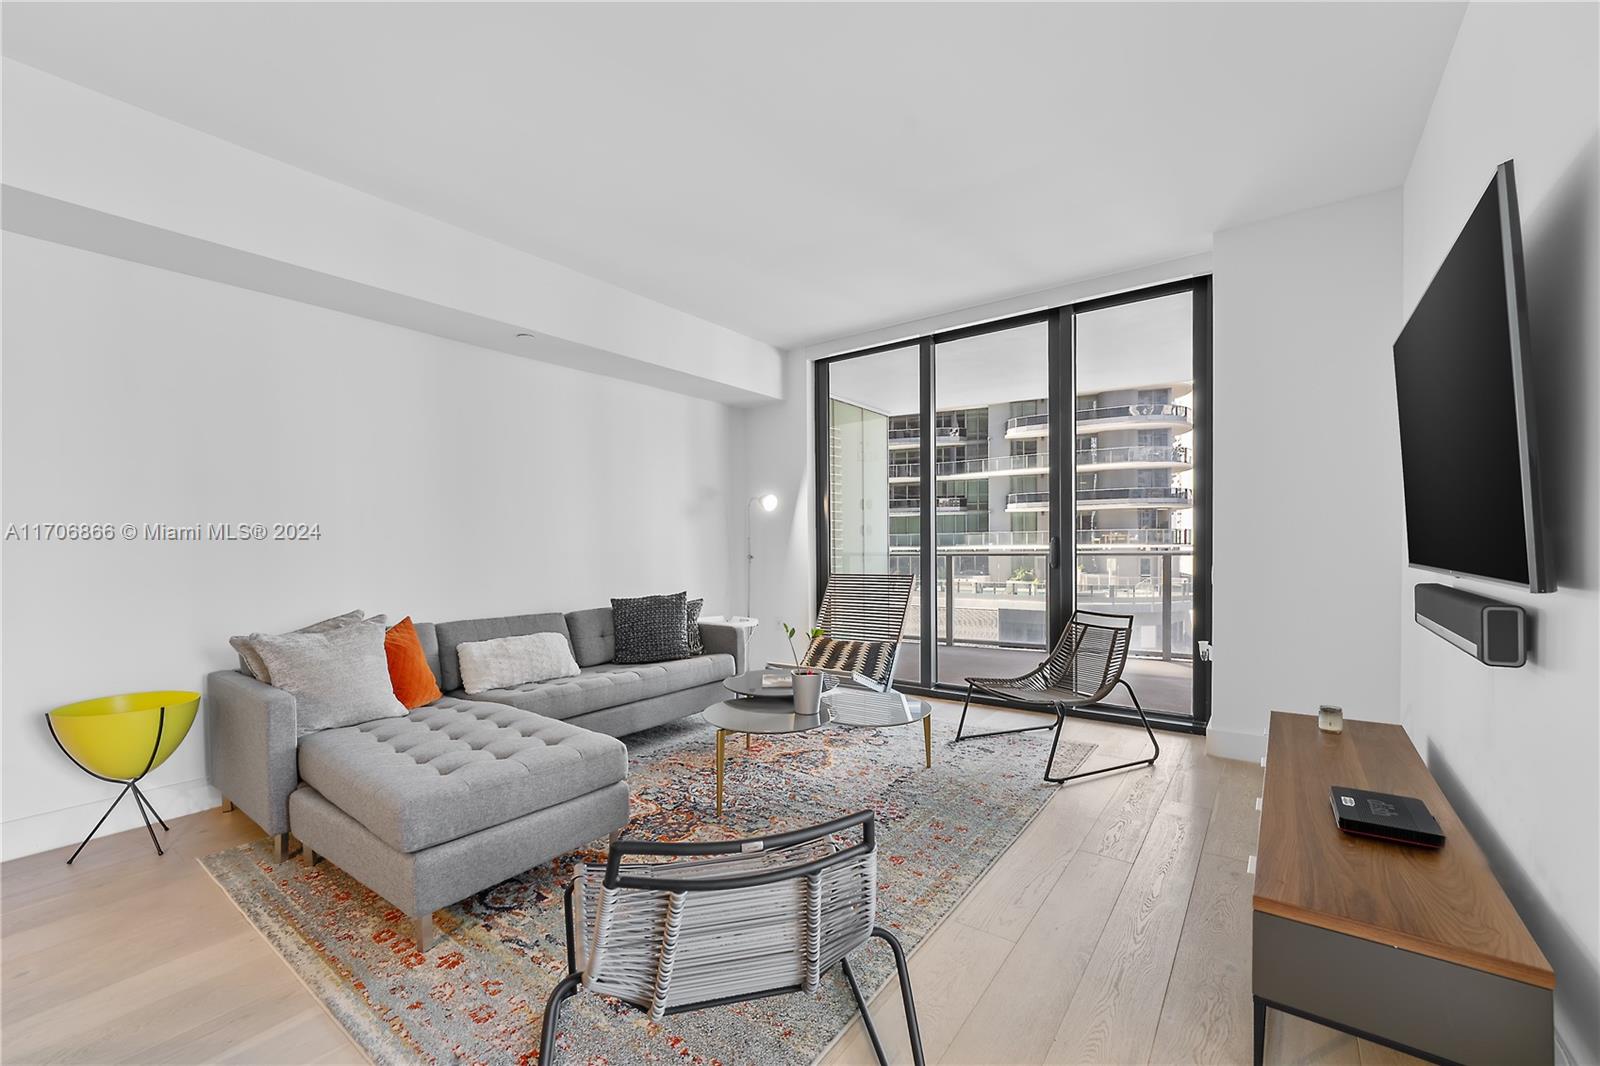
{"points": [[1414, 948]]}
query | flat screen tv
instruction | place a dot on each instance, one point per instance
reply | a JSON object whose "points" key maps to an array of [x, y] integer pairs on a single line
{"points": [[1467, 447]]}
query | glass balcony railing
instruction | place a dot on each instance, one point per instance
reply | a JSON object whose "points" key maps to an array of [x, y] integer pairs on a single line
{"points": [[1028, 425], [1091, 539], [912, 438], [1132, 496], [942, 504], [1035, 463], [1091, 419], [981, 541], [999, 603], [1027, 501], [1031, 540], [1137, 455]]}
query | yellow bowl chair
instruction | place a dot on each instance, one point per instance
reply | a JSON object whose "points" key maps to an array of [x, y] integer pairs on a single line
{"points": [[121, 739]]}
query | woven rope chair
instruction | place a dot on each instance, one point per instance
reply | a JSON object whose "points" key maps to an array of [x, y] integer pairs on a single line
{"points": [[862, 618], [1083, 669], [724, 922]]}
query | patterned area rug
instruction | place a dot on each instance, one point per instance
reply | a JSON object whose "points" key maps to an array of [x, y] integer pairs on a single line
{"points": [[478, 996]]}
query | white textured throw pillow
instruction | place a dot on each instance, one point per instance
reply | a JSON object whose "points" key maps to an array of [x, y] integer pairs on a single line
{"points": [[508, 661]]}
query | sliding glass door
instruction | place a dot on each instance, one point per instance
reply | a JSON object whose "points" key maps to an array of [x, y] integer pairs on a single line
{"points": [[1134, 470], [870, 450], [1025, 467], [994, 517]]}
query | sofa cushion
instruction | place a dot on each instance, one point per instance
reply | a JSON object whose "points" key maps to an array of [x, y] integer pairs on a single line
{"points": [[428, 637], [455, 767], [471, 629], [611, 685], [593, 642]]}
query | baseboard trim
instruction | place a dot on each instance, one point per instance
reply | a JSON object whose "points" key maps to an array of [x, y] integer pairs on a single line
{"points": [[1230, 744], [53, 829]]}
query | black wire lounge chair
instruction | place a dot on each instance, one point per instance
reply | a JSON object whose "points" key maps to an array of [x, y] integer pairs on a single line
{"points": [[1084, 667]]}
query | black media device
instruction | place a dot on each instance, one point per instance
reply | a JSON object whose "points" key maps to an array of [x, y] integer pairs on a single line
{"points": [[1404, 819], [1467, 441], [1492, 632]]}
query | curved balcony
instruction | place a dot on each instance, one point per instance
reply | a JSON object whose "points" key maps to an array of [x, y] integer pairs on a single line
{"points": [[994, 466], [1138, 457], [1027, 501], [973, 469], [1167, 496], [1134, 416], [909, 439], [1024, 427]]}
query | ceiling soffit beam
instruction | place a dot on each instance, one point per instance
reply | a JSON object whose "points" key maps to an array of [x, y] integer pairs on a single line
{"points": [[89, 171]]}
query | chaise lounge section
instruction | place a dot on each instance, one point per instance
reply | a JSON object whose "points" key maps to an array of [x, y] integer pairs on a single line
{"points": [[464, 792]]}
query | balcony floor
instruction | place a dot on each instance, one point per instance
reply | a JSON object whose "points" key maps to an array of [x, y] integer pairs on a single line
{"points": [[1161, 685]]}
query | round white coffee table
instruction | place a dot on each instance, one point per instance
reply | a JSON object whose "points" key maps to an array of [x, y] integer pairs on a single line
{"points": [[855, 708]]}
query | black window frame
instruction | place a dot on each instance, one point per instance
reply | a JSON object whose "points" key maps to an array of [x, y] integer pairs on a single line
{"points": [[1060, 321]]}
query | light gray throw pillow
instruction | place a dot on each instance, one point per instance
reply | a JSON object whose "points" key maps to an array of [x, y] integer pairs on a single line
{"points": [[339, 677], [250, 659]]}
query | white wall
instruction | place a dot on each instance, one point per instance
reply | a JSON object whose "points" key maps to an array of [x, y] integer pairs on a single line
{"points": [[1517, 750], [1307, 483], [449, 482]]}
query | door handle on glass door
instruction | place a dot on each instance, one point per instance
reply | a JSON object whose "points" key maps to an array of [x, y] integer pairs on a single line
{"points": [[1055, 553]]}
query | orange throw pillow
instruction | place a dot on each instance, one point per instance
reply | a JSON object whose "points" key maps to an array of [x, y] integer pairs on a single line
{"points": [[413, 682]]}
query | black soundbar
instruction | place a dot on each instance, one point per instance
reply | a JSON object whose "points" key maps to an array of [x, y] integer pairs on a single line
{"points": [[1494, 633]]}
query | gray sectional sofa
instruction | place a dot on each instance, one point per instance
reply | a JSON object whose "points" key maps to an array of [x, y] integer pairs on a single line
{"points": [[467, 791]]}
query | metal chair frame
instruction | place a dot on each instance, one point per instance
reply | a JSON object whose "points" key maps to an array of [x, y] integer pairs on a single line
{"points": [[639, 877], [1059, 672]]}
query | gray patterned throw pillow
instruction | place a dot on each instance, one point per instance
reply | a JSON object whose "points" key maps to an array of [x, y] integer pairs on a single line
{"points": [[651, 629], [696, 645]]}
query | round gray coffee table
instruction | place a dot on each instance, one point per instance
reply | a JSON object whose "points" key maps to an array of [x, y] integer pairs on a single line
{"points": [[856, 708]]}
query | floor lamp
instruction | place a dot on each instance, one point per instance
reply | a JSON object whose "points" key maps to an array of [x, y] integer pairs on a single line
{"points": [[768, 502]]}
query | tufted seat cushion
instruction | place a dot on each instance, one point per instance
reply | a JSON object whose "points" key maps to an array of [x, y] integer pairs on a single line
{"points": [[454, 767], [611, 685]]}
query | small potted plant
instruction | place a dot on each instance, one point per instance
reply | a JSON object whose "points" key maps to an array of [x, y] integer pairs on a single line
{"points": [[790, 632], [807, 682]]}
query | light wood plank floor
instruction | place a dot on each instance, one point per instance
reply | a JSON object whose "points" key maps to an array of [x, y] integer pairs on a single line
{"points": [[1116, 929]]}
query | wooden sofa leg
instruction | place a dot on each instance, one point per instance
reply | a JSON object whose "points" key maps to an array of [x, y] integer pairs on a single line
{"points": [[427, 931], [312, 858], [280, 847], [227, 805]]}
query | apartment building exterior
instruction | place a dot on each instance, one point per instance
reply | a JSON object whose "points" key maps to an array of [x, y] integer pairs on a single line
{"points": [[1134, 510]]}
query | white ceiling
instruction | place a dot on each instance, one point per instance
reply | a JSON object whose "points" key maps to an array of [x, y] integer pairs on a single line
{"points": [[795, 172]]}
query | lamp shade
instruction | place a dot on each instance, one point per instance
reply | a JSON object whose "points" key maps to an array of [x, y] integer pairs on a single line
{"points": [[113, 736]]}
